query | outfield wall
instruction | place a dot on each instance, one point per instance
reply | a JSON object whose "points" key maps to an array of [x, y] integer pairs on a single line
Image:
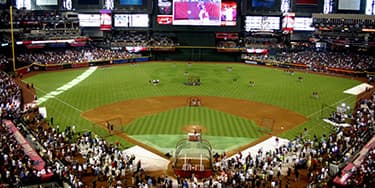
{"points": [[198, 54], [190, 54]]}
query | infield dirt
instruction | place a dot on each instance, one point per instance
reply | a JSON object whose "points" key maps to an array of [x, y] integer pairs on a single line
{"points": [[260, 113]]}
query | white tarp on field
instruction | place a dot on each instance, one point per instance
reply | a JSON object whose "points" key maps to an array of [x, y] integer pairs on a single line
{"points": [[358, 89], [149, 160], [268, 145]]}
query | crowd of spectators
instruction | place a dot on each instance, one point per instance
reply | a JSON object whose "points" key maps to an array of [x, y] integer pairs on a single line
{"points": [[263, 42], [12, 153], [10, 97], [16, 167], [227, 44], [141, 39], [38, 25], [73, 55], [321, 61], [365, 172], [166, 40], [63, 150], [125, 39], [313, 154], [105, 160], [27, 19]]}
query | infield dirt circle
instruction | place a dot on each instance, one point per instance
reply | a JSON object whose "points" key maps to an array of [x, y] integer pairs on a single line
{"points": [[260, 113]]}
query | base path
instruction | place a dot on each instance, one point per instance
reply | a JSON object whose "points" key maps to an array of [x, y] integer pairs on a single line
{"points": [[127, 111]]}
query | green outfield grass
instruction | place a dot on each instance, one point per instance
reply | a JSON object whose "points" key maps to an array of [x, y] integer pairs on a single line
{"points": [[118, 83], [224, 131]]}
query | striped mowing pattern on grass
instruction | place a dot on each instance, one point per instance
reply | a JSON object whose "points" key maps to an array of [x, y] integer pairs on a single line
{"points": [[165, 142], [173, 121], [119, 83]]}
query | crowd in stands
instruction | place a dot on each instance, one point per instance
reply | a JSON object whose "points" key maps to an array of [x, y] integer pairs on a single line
{"points": [[38, 25], [63, 149], [105, 160], [305, 152], [27, 19], [162, 40], [10, 97], [262, 43], [365, 172], [16, 166], [74, 55], [125, 39], [141, 39], [321, 61], [227, 44], [12, 154], [3, 60]]}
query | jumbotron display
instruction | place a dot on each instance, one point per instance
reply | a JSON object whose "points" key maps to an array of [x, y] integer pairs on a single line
{"points": [[197, 12], [131, 2], [133, 6], [262, 3]]}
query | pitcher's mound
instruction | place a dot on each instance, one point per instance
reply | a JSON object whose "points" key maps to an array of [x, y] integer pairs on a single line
{"points": [[194, 128]]}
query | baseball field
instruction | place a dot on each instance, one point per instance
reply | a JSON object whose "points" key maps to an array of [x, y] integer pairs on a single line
{"points": [[232, 113]]}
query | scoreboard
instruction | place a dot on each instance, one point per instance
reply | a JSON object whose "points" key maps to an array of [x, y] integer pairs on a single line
{"points": [[263, 23]]}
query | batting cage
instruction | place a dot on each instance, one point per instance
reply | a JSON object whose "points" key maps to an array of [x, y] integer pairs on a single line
{"points": [[193, 156]]}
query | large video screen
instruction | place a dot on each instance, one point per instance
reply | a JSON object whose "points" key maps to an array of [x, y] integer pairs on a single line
{"points": [[89, 20], [256, 23], [262, 3], [303, 24], [105, 20], [131, 20], [46, 2], [164, 13], [204, 12], [349, 5], [131, 2], [306, 2], [164, 7], [134, 6]]}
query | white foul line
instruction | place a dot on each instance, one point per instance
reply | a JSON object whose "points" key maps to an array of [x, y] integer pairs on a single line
{"points": [[344, 99], [67, 86]]}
